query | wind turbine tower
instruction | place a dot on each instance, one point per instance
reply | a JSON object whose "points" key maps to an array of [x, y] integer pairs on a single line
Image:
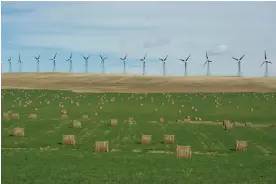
{"points": [[37, 63], [239, 65], [164, 64], [144, 64], [102, 63], [71, 64], [266, 64], [185, 64], [10, 64], [208, 64], [20, 63], [54, 62], [86, 63], [124, 60]]}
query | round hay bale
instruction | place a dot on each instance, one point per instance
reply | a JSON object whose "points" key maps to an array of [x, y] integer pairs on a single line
{"points": [[225, 121], [113, 122], [187, 120], [85, 117], [228, 125], [101, 146], [241, 145], [76, 124], [168, 139], [18, 132], [15, 116], [6, 116], [69, 140], [183, 152], [248, 124], [146, 139], [161, 120], [32, 116]]}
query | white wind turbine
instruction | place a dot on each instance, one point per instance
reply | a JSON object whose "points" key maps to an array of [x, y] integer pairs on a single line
{"points": [[37, 63], [144, 64], [10, 64], [164, 64], [239, 64], [124, 62], [266, 64], [54, 62], [71, 64], [102, 62], [208, 64], [86, 63], [185, 61], [20, 63]]}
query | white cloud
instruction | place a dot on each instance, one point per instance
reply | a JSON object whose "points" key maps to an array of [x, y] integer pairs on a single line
{"points": [[222, 29]]}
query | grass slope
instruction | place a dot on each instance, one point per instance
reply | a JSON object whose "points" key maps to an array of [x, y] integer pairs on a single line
{"points": [[39, 157]]}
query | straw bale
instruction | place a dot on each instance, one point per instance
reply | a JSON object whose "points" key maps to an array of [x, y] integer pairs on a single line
{"points": [[76, 124], [113, 122], [161, 120], [63, 111], [146, 139], [69, 139], [248, 124], [183, 152], [101, 146], [64, 116], [241, 145], [169, 139], [228, 125], [32, 116], [187, 120], [85, 117], [225, 121], [199, 119], [18, 132], [6, 116], [15, 116]]}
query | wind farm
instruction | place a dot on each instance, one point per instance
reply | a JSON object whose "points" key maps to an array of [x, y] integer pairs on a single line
{"points": [[138, 92]]}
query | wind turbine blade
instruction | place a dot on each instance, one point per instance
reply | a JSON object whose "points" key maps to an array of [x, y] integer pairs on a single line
{"points": [[55, 56], [160, 59], [265, 55], [188, 57], [204, 64], [235, 59], [207, 55], [125, 57], [166, 58], [101, 56], [262, 64], [242, 57]]}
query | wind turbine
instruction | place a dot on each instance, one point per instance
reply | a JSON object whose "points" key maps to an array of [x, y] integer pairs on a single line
{"points": [[185, 64], [10, 64], [239, 64], [86, 63], [37, 63], [164, 64], [54, 62], [124, 60], [144, 64], [102, 62], [208, 64], [20, 63], [71, 64], [266, 64]]}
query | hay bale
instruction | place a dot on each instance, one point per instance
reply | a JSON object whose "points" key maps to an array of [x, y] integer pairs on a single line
{"points": [[15, 116], [241, 145], [161, 120], [113, 122], [64, 116], [85, 117], [183, 152], [178, 121], [199, 119], [101, 146], [6, 116], [63, 111], [248, 124], [225, 122], [69, 139], [32, 116], [76, 124], [187, 120], [155, 109], [169, 139], [228, 125], [146, 139], [18, 132], [196, 118], [188, 117]]}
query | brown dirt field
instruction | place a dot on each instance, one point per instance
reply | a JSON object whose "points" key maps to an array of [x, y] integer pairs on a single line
{"points": [[79, 82]]}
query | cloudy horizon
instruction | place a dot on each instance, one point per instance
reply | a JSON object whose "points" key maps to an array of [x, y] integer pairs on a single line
{"points": [[114, 29]]}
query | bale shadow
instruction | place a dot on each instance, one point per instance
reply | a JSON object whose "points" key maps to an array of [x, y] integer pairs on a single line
{"points": [[59, 143], [137, 142], [11, 135], [232, 149]]}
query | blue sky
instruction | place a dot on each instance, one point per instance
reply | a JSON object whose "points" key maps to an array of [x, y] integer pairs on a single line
{"points": [[224, 29]]}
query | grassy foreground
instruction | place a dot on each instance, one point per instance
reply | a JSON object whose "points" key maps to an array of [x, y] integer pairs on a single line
{"points": [[39, 157]]}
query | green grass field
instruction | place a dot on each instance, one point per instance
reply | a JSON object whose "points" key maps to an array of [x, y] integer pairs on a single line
{"points": [[39, 157]]}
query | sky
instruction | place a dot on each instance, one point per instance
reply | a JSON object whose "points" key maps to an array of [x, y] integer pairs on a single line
{"points": [[114, 29]]}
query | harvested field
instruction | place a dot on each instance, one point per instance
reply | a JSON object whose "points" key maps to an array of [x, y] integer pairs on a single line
{"points": [[40, 154], [135, 84]]}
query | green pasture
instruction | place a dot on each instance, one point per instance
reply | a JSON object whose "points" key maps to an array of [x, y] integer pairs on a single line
{"points": [[39, 157]]}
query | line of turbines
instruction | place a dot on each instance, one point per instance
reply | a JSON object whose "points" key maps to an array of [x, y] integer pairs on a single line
{"points": [[163, 60]]}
